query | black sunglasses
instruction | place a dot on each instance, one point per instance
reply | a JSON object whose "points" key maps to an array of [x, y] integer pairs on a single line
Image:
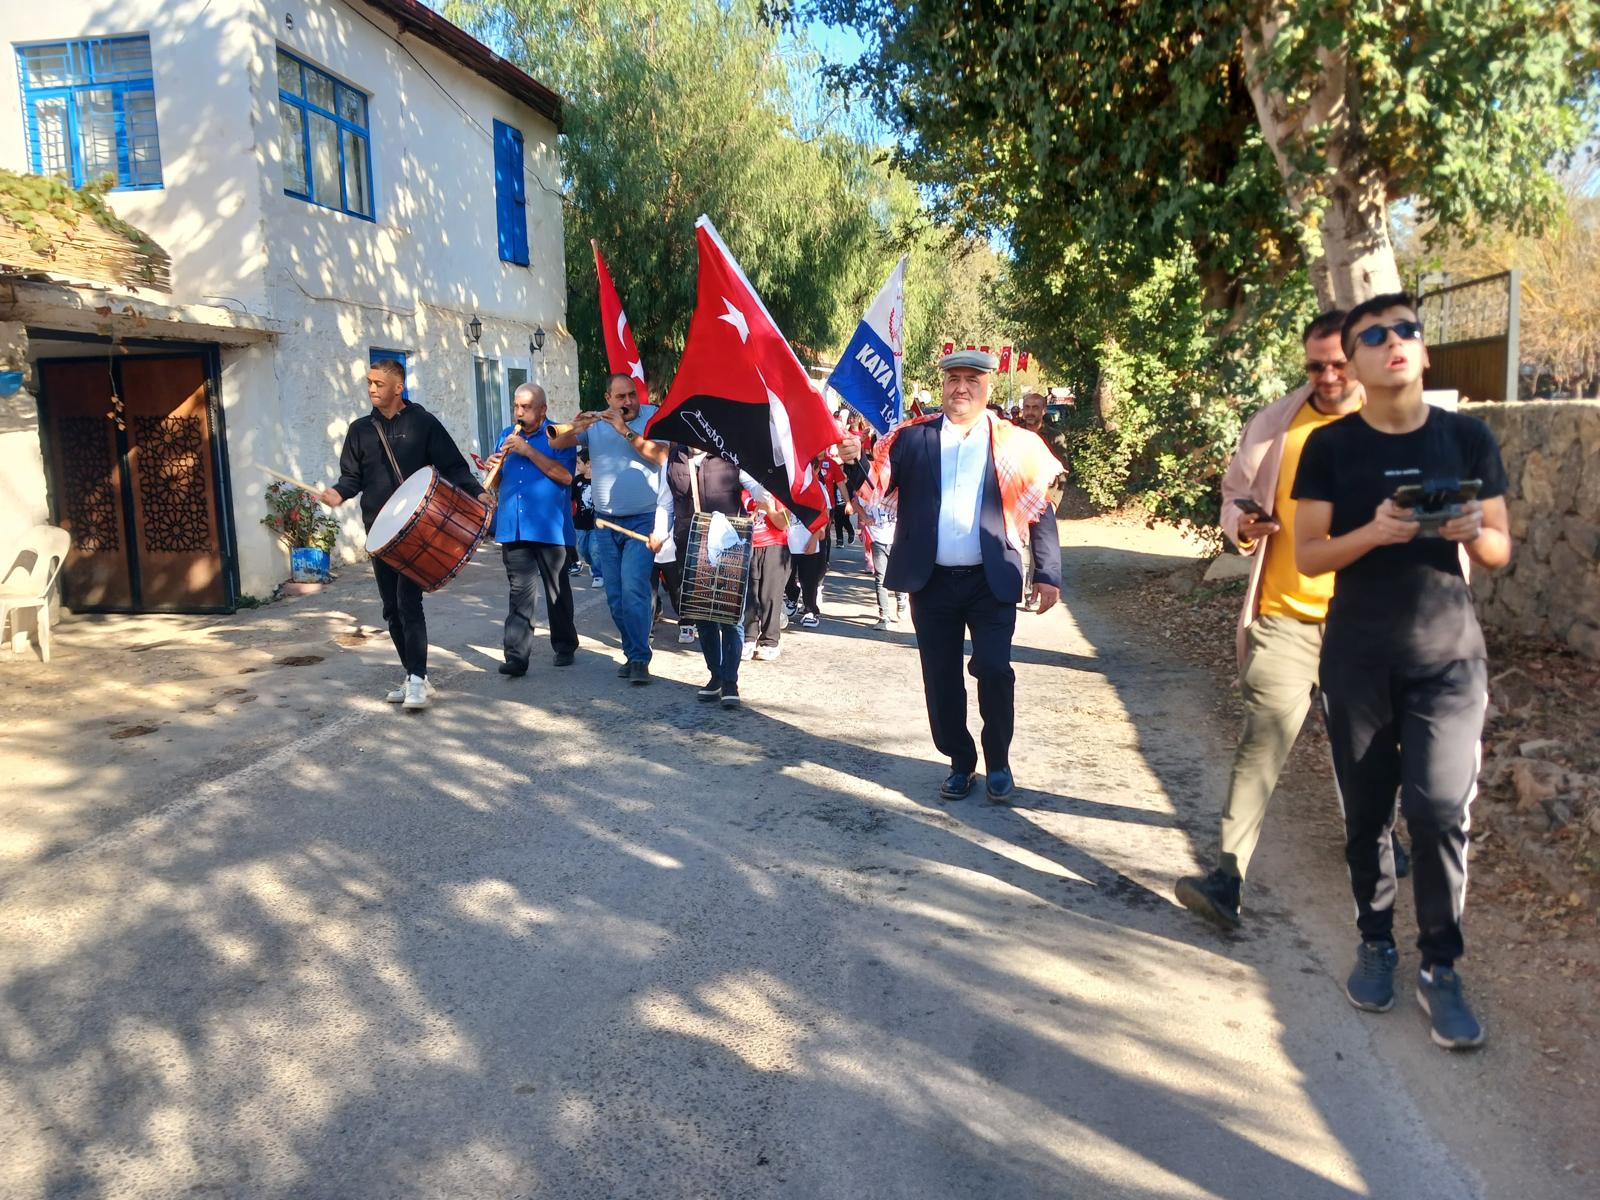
{"points": [[1377, 335], [1316, 369]]}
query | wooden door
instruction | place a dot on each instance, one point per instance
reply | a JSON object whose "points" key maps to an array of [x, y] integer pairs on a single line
{"points": [[172, 477], [82, 418]]}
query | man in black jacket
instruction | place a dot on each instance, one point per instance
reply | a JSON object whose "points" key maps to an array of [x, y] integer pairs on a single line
{"points": [[969, 493], [418, 440]]}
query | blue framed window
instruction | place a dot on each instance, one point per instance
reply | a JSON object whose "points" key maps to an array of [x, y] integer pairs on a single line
{"points": [[375, 353], [510, 195], [89, 108], [327, 150]]}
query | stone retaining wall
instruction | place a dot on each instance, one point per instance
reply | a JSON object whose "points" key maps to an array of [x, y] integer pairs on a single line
{"points": [[1552, 587]]}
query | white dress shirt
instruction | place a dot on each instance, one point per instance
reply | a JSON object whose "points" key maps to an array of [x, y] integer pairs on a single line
{"points": [[963, 467]]}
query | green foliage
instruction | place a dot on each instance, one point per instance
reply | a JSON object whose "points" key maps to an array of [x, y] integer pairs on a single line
{"points": [[297, 520], [686, 108], [1157, 257]]}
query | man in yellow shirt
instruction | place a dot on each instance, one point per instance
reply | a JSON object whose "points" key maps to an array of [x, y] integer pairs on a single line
{"points": [[1280, 623]]}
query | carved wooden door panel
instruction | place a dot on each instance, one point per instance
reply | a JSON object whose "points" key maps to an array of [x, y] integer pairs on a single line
{"points": [[177, 538], [86, 466]]}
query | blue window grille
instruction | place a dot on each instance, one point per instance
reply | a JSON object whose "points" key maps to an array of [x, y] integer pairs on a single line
{"points": [[327, 150], [510, 195], [89, 108], [376, 353]]}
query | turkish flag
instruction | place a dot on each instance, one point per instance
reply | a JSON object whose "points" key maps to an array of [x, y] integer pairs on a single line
{"points": [[949, 348], [1005, 359], [1022, 361], [621, 353], [741, 393]]}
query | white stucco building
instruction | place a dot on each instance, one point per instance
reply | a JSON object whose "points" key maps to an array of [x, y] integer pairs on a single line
{"points": [[333, 180]]}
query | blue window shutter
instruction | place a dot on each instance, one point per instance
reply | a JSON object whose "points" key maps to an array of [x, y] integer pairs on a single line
{"points": [[511, 216]]}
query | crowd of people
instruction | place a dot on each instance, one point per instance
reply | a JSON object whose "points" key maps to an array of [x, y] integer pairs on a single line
{"points": [[1363, 507]]}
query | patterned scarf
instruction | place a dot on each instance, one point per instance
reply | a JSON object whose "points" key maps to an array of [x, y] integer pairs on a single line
{"points": [[1023, 465]]}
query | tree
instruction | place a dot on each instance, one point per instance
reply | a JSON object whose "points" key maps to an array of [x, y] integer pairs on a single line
{"points": [[676, 109], [1260, 138]]}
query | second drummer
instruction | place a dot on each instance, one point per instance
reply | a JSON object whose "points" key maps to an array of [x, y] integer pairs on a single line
{"points": [[415, 439]]}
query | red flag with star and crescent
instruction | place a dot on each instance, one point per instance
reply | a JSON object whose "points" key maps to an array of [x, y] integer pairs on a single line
{"points": [[741, 393], [622, 355]]}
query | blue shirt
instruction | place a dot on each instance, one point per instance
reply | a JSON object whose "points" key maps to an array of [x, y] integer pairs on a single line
{"points": [[624, 484], [534, 507], [963, 465]]}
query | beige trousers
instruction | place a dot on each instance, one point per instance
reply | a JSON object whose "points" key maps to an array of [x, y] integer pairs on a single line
{"points": [[1279, 677]]}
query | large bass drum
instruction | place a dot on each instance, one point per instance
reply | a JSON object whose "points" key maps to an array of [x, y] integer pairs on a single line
{"points": [[428, 529]]}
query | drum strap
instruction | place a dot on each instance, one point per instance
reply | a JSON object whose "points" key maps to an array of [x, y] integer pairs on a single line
{"points": [[694, 481], [394, 466]]}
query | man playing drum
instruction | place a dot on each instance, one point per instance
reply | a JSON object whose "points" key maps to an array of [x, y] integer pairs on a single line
{"points": [[415, 439]]}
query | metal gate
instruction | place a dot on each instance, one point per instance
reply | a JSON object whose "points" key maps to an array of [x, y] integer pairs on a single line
{"points": [[1472, 331]]}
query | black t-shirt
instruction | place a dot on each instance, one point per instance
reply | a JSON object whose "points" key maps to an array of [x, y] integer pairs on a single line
{"points": [[1406, 604]]}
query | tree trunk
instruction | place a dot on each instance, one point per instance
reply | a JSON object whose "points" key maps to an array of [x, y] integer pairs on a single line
{"points": [[1105, 392], [1345, 212]]}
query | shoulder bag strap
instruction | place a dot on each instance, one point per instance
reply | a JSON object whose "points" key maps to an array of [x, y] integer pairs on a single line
{"points": [[393, 465]]}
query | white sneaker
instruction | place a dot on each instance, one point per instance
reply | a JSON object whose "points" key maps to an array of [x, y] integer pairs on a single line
{"points": [[748, 652], [597, 582], [399, 694], [685, 634], [767, 653], [883, 624], [419, 692]]}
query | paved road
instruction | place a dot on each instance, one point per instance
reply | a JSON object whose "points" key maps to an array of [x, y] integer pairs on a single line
{"points": [[562, 938]]}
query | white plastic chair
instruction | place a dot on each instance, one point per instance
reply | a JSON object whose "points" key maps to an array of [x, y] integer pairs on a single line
{"points": [[27, 583]]}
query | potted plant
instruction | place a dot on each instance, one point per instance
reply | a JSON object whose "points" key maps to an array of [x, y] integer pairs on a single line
{"points": [[302, 526]]}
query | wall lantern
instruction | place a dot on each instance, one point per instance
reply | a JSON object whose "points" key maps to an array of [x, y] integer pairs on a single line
{"points": [[474, 329], [537, 345]]}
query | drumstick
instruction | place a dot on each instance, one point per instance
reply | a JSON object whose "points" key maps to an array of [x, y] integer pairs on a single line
{"points": [[605, 524], [290, 479]]}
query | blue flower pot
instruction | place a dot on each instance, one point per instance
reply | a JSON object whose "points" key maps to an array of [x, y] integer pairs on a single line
{"points": [[308, 565]]}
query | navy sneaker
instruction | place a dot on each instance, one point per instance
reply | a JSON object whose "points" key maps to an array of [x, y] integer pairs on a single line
{"points": [[957, 785], [1454, 1026], [638, 673], [999, 785], [730, 694], [1214, 897], [1371, 984], [711, 692]]}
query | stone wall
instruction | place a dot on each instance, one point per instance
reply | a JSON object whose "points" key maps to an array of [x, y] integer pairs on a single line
{"points": [[1551, 589]]}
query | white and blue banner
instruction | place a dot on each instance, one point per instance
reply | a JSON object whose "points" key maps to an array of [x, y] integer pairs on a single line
{"points": [[867, 376]]}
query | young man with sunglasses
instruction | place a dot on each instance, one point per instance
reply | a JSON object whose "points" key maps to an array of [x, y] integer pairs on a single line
{"points": [[1280, 623], [1404, 677]]}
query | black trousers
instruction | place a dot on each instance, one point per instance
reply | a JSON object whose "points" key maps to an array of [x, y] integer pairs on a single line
{"points": [[957, 601], [843, 531], [805, 577], [769, 567], [545, 562], [1416, 729], [402, 611]]}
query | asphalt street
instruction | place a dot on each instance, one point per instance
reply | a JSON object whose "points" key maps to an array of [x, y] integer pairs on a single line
{"points": [[560, 937]]}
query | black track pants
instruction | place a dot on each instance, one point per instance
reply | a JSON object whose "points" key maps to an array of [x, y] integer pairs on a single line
{"points": [[1416, 729]]}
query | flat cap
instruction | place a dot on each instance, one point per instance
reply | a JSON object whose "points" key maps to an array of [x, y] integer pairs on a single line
{"points": [[978, 360]]}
